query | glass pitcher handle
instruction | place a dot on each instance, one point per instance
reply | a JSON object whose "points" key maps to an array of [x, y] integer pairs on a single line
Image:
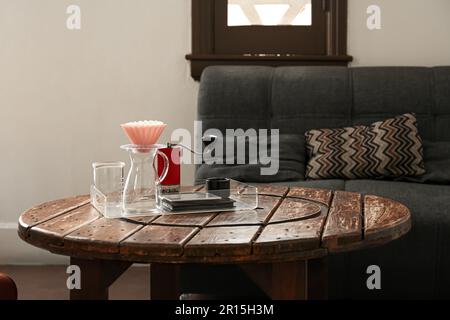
{"points": [[166, 167]]}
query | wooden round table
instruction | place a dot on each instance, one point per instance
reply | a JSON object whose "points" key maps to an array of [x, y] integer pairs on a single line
{"points": [[281, 247]]}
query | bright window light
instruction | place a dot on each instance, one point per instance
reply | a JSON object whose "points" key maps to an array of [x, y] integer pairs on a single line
{"points": [[304, 18], [236, 16], [269, 12]]}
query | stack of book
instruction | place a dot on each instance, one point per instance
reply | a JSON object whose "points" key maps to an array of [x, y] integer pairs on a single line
{"points": [[195, 201]]}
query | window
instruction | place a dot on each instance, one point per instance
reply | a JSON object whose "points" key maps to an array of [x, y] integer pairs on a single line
{"points": [[269, 13], [268, 32]]}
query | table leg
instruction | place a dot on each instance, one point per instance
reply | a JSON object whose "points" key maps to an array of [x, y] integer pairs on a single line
{"points": [[318, 279], [298, 280], [280, 280], [165, 281], [96, 277]]}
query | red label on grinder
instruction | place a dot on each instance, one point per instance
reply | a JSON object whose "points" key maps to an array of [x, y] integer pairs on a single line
{"points": [[173, 176]]}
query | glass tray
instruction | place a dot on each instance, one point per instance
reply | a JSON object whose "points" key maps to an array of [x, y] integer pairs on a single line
{"points": [[244, 196]]}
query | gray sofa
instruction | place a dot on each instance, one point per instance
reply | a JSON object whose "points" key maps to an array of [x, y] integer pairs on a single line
{"points": [[296, 99]]}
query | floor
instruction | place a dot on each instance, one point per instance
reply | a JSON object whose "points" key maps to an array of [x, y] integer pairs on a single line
{"points": [[49, 283]]}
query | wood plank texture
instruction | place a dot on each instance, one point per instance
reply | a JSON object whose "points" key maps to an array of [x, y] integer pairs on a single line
{"points": [[344, 223], [385, 219], [188, 220], [295, 209], [229, 241], [49, 210], [269, 190], [156, 240], [289, 237], [52, 231], [291, 224], [318, 195], [102, 235], [280, 246], [267, 205]]}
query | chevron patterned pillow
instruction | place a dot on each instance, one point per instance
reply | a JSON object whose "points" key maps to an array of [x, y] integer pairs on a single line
{"points": [[385, 149]]}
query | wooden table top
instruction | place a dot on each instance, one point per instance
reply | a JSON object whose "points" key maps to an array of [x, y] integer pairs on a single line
{"points": [[292, 224]]}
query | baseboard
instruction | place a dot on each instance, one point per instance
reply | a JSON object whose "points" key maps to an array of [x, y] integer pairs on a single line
{"points": [[14, 251]]}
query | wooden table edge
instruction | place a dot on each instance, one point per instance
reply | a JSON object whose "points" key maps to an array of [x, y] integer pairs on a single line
{"points": [[373, 238]]}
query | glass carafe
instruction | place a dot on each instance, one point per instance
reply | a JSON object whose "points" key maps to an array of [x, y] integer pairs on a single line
{"points": [[140, 194]]}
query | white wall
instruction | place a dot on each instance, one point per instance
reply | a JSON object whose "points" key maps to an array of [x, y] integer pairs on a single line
{"points": [[414, 32], [63, 93]]}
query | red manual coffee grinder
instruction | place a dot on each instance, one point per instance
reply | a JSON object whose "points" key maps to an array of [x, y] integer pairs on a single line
{"points": [[171, 183]]}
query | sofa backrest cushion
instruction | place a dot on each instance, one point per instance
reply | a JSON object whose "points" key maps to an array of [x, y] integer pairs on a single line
{"points": [[291, 165], [310, 98], [235, 98], [437, 164], [298, 99]]}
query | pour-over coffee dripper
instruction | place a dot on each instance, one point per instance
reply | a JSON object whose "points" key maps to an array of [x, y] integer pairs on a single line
{"points": [[140, 195], [144, 133]]}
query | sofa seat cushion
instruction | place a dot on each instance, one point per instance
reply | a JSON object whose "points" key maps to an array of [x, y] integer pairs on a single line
{"points": [[416, 265]]}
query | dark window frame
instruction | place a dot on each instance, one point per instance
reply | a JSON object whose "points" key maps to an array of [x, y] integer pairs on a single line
{"points": [[204, 31]]}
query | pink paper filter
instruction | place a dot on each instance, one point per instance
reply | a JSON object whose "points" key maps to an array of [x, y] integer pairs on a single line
{"points": [[144, 133]]}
